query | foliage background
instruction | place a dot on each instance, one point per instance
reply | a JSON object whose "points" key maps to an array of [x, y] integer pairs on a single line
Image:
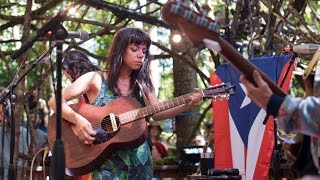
{"points": [[255, 28]]}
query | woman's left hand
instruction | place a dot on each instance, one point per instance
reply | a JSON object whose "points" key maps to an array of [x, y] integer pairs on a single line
{"points": [[196, 98]]}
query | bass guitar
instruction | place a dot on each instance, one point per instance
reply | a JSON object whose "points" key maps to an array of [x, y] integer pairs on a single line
{"points": [[197, 27], [122, 125]]}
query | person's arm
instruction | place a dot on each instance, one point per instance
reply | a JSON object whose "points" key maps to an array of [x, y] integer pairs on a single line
{"points": [[83, 84], [300, 115], [45, 112], [292, 114], [196, 100]]}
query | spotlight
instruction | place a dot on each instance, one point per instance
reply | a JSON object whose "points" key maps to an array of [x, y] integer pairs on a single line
{"points": [[176, 38]]}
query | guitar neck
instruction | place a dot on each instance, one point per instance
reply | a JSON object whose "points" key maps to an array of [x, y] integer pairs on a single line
{"points": [[245, 66], [153, 109]]}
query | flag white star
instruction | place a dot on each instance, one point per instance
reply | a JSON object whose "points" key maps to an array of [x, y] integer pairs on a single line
{"points": [[246, 99]]}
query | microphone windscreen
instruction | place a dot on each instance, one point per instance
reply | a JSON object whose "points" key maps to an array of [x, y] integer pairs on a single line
{"points": [[84, 35], [305, 48]]}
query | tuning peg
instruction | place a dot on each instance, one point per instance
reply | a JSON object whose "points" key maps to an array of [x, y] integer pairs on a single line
{"points": [[214, 98], [213, 27], [175, 8], [202, 21], [224, 96], [188, 15]]}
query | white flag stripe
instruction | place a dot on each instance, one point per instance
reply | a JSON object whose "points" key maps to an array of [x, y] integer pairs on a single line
{"points": [[254, 143], [237, 148]]}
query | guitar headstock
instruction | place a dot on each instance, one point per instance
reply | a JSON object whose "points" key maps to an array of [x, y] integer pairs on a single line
{"points": [[195, 25], [222, 91]]}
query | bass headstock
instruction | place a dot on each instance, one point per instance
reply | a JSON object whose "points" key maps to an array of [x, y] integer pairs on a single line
{"points": [[194, 25]]}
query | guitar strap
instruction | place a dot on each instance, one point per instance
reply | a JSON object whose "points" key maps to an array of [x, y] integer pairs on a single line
{"points": [[146, 102], [145, 99]]}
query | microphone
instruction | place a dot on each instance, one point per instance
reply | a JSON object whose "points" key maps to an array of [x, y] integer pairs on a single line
{"points": [[83, 35], [305, 48]]}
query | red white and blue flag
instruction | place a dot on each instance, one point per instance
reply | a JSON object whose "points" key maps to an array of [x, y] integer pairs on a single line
{"points": [[241, 140]]}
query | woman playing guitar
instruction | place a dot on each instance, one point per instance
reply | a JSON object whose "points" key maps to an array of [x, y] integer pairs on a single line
{"points": [[127, 67]]}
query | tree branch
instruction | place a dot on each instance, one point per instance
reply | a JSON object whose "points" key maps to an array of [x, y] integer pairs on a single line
{"points": [[124, 12]]}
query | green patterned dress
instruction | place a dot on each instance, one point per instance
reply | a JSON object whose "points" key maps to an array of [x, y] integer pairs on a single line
{"points": [[124, 164]]}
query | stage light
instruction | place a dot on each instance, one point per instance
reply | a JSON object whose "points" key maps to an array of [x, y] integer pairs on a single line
{"points": [[176, 38]]}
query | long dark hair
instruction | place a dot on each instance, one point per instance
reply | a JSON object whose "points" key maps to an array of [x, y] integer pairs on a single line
{"points": [[76, 63], [121, 40]]}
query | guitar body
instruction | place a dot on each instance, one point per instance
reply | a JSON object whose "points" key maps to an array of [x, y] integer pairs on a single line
{"points": [[81, 158]]}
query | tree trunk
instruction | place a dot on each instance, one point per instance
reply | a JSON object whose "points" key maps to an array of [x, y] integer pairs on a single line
{"points": [[185, 80], [21, 86]]}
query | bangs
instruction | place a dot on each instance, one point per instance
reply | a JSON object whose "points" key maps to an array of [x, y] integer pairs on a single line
{"points": [[140, 38]]}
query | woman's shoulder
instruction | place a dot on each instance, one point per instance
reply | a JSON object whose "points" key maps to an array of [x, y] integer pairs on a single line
{"points": [[90, 78], [91, 74]]}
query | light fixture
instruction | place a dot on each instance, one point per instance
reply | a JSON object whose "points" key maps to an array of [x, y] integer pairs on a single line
{"points": [[176, 38]]}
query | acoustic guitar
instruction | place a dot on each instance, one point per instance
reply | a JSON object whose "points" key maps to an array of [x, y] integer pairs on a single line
{"points": [[197, 27], [122, 123]]}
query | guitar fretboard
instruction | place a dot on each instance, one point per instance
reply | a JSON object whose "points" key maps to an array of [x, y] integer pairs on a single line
{"points": [[153, 109], [196, 18]]}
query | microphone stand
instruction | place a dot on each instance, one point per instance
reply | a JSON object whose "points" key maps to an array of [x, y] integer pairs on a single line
{"points": [[12, 99], [53, 25], [9, 92], [4, 118], [57, 168]]}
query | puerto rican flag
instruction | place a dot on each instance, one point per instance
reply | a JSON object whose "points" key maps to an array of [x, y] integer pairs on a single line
{"points": [[241, 140]]}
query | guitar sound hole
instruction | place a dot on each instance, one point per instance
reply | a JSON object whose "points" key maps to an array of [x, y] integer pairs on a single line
{"points": [[109, 125]]}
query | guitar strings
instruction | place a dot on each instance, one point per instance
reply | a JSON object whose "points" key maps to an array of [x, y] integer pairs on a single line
{"points": [[134, 114], [106, 124]]}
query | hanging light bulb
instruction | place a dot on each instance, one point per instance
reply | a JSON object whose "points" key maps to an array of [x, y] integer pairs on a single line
{"points": [[176, 38]]}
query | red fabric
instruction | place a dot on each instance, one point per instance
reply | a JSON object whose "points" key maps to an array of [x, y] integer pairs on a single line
{"points": [[161, 149], [221, 129]]}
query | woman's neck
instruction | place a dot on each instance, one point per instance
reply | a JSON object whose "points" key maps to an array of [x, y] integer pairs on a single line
{"points": [[124, 79], [125, 74]]}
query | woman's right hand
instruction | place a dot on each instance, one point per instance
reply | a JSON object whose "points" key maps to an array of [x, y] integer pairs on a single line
{"points": [[84, 131]]}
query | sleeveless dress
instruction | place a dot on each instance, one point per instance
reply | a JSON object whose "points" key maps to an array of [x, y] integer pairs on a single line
{"points": [[123, 164]]}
